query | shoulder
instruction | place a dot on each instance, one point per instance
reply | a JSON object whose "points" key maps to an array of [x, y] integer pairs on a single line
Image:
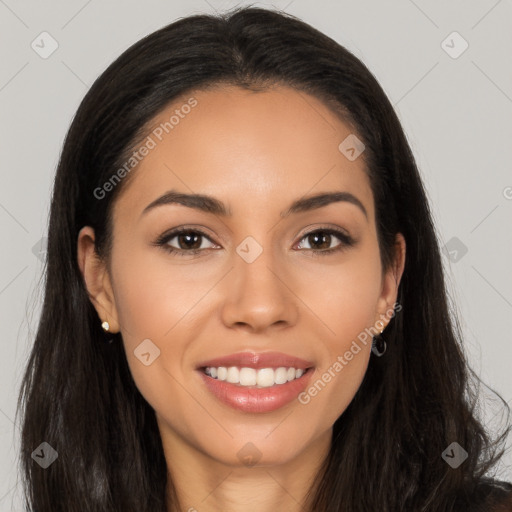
{"points": [[492, 496]]}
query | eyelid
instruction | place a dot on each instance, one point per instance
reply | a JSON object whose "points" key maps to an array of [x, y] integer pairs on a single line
{"points": [[311, 228]]}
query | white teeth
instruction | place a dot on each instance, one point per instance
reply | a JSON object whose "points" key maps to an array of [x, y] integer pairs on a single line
{"points": [[233, 375], [262, 378], [247, 376], [281, 375], [265, 378]]}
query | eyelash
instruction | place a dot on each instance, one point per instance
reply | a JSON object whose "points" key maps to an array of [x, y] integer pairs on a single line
{"points": [[162, 241]]}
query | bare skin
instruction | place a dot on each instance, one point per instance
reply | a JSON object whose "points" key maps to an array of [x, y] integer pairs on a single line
{"points": [[257, 153]]}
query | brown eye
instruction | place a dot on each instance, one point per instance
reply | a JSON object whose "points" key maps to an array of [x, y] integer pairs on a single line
{"points": [[185, 241], [321, 241], [190, 240]]}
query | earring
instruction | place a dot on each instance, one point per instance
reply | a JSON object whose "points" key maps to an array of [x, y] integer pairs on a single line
{"points": [[378, 346], [105, 326]]}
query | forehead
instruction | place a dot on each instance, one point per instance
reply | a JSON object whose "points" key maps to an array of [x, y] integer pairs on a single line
{"points": [[246, 148]]}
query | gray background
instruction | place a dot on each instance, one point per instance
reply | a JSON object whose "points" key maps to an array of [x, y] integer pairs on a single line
{"points": [[457, 113]]}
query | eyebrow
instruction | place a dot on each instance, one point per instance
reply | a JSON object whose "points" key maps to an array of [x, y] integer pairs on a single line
{"points": [[212, 205]]}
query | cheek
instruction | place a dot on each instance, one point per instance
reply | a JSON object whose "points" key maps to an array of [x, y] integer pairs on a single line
{"points": [[159, 301], [344, 301], [334, 386], [343, 297], [152, 295], [152, 303]]}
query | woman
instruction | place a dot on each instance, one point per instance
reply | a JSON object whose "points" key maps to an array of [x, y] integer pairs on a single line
{"points": [[245, 306]]}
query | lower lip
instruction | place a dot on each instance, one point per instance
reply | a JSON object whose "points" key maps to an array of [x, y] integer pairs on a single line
{"points": [[253, 399]]}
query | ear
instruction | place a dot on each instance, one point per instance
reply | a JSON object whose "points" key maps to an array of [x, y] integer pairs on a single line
{"points": [[390, 283], [96, 278]]}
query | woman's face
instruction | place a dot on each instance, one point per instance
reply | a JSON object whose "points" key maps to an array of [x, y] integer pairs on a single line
{"points": [[256, 276]]}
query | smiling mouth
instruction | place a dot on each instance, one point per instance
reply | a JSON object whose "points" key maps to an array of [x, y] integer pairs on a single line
{"points": [[255, 378]]}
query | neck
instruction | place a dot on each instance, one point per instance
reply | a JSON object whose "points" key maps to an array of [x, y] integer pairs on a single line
{"points": [[198, 483]]}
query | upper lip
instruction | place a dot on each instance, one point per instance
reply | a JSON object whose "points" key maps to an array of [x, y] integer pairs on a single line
{"points": [[258, 360]]}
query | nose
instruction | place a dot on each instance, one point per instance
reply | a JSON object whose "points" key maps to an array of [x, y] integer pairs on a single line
{"points": [[259, 296]]}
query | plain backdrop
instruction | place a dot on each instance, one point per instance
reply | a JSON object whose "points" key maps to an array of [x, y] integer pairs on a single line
{"points": [[455, 103]]}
